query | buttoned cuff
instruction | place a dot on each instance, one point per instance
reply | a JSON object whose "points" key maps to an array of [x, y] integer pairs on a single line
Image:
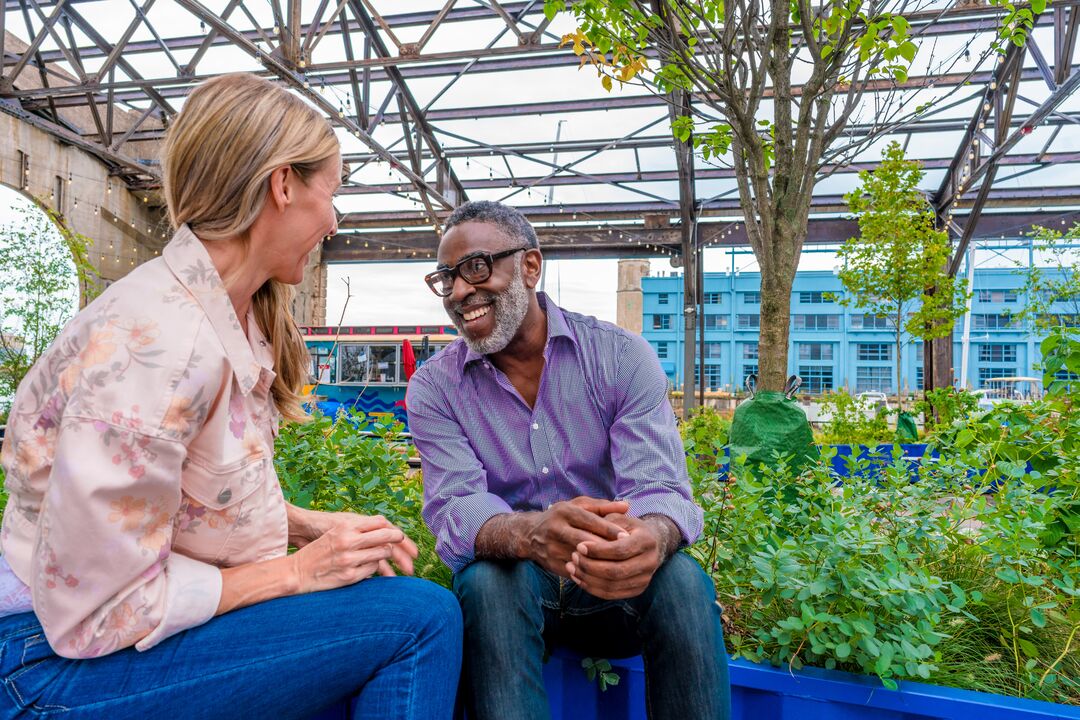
{"points": [[464, 518], [192, 595], [687, 516]]}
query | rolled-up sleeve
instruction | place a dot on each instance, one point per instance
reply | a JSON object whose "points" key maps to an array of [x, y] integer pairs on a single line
{"points": [[456, 498], [104, 577], [646, 449]]}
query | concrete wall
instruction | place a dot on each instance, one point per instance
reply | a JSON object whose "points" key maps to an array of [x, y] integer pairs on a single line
{"points": [[123, 230], [628, 308]]}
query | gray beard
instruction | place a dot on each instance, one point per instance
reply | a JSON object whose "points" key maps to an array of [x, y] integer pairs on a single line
{"points": [[510, 307]]}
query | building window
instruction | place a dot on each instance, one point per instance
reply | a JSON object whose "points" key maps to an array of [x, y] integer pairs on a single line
{"points": [[997, 353], [919, 352], [816, 378], [368, 363], [747, 371], [749, 322], [815, 351], [750, 351], [323, 369], [663, 298], [661, 322], [712, 376], [919, 376], [813, 297], [875, 351], [716, 322], [712, 298], [662, 350], [867, 321], [988, 373], [1060, 319], [990, 322], [713, 350], [817, 322], [997, 296], [751, 298], [875, 378]]}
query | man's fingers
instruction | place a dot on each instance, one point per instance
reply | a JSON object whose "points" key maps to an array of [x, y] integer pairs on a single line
{"points": [[622, 549], [385, 570], [606, 589], [607, 569], [601, 507], [584, 520]]}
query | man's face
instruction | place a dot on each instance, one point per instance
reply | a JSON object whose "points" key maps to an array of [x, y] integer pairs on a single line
{"points": [[489, 314]]}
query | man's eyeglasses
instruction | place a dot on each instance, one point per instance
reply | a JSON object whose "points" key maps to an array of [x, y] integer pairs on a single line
{"points": [[473, 269]]}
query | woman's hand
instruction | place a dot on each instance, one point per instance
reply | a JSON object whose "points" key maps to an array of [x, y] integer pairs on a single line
{"points": [[342, 549], [353, 547]]}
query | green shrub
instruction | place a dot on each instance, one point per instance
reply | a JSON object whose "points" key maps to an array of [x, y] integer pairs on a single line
{"points": [[932, 580], [849, 424], [944, 406], [349, 463], [704, 435]]}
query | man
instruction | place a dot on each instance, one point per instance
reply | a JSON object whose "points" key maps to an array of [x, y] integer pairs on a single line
{"points": [[556, 486]]}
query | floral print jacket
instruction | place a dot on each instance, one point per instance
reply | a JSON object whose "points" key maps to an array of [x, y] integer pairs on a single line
{"points": [[139, 460]]}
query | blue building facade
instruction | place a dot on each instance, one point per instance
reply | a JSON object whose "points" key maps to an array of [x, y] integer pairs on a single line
{"points": [[832, 346]]}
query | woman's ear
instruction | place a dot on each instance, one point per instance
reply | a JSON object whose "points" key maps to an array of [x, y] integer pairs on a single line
{"points": [[281, 190]]}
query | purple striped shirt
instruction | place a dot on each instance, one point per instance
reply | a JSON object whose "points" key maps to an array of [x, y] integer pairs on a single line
{"points": [[602, 427]]}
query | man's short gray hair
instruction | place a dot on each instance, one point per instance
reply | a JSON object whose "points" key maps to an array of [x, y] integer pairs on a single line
{"points": [[512, 223]]}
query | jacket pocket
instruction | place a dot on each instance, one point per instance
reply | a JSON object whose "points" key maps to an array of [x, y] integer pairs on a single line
{"points": [[218, 486]]}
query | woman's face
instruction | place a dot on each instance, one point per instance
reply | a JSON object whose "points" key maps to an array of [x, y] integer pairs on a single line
{"points": [[301, 223]]}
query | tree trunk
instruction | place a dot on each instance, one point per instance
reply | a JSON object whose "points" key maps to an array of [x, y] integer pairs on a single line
{"points": [[777, 277]]}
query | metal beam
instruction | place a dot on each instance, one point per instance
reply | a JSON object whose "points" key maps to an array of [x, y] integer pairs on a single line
{"points": [[303, 86], [610, 240]]}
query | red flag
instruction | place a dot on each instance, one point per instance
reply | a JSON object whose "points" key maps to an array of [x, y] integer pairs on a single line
{"points": [[408, 359]]}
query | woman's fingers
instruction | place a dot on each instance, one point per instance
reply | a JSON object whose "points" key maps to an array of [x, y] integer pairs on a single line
{"points": [[402, 557], [385, 570]]}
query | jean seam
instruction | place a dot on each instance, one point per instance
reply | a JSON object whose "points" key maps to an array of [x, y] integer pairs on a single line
{"points": [[232, 670], [9, 683]]}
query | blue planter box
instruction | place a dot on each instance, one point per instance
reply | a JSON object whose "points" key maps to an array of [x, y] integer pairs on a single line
{"points": [[762, 692]]}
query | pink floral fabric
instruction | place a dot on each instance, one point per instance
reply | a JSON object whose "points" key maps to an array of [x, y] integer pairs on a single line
{"points": [[139, 461]]}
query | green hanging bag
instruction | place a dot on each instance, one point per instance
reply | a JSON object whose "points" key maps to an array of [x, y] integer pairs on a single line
{"points": [[771, 422], [906, 430]]}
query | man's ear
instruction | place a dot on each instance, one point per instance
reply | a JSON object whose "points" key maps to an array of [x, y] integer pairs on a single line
{"points": [[533, 266], [281, 187]]}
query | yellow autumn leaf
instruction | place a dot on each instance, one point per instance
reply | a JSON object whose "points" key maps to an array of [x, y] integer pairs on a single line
{"points": [[606, 82]]}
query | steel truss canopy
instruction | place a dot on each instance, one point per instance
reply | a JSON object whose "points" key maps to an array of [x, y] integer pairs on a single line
{"points": [[440, 101]]}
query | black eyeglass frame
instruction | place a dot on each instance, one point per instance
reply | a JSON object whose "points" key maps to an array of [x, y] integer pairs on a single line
{"points": [[435, 279]]}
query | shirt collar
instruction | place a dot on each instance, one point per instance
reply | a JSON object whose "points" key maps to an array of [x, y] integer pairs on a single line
{"points": [[190, 263], [556, 327]]}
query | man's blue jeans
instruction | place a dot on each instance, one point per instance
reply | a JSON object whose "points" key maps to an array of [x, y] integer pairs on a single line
{"points": [[515, 611], [395, 641]]}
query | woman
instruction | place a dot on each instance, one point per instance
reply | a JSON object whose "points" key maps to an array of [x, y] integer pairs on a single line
{"points": [[144, 570]]}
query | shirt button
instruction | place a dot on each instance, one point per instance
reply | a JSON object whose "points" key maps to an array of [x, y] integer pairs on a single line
{"points": [[544, 470], [536, 426]]}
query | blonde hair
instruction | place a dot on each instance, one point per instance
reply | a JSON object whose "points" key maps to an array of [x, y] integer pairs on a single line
{"points": [[233, 132]]}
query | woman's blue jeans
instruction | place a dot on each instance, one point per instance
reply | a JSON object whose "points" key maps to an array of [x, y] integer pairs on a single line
{"points": [[515, 611], [394, 641]]}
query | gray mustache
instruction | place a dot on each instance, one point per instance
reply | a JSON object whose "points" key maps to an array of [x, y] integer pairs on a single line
{"points": [[485, 298]]}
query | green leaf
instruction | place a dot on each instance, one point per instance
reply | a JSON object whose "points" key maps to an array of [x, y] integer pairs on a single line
{"points": [[1038, 618], [908, 50], [843, 650]]}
